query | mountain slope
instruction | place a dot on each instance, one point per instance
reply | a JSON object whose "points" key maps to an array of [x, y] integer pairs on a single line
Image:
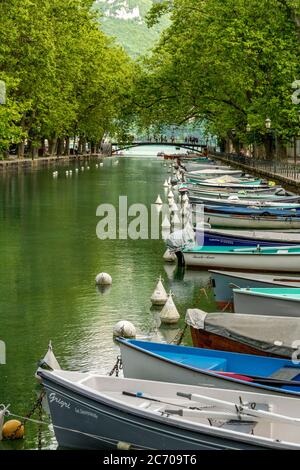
{"points": [[125, 20]]}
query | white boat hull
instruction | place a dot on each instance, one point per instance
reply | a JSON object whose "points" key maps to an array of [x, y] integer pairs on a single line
{"points": [[265, 305], [219, 220], [240, 261]]}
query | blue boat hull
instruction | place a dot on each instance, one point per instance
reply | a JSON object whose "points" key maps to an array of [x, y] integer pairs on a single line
{"points": [[222, 240], [195, 366]]}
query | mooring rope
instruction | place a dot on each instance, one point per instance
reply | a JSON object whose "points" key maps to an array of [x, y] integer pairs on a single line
{"points": [[94, 436]]}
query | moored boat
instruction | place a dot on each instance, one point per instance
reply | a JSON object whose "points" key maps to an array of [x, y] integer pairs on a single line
{"points": [[268, 301], [90, 411], [199, 366], [236, 238], [225, 192], [249, 258], [269, 222], [261, 335], [205, 173], [253, 211], [224, 282], [237, 202]]}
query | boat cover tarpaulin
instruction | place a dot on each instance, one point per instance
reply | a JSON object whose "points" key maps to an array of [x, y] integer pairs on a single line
{"points": [[181, 239], [275, 335]]}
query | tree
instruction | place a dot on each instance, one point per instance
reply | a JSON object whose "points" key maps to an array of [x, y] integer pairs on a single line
{"points": [[64, 76], [227, 62]]}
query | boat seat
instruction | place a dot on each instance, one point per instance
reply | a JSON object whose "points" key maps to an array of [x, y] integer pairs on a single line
{"points": [[239, 426], [207, 363], [286, 373]]}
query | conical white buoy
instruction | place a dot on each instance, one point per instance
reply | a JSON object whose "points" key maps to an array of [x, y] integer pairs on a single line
{"points": [[67, 173], [125, 329], [177, 222], [82, 168], [166, 184], [96, 165], [101, 164], [171, 195], [169, 314], [76, 170], [158, 200], [88, 168], [103, 279], [159, 296], [169, 257], [166, 223]]}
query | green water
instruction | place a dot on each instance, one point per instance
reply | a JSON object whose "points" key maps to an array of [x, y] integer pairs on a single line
{"points": [[49, 257]]}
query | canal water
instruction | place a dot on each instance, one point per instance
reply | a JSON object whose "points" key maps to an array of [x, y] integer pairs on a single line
{"points": [[49, 257]]}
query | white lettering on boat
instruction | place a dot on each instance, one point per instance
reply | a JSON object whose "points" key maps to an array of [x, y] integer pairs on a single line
{"points": [[86, 413], [62, 403]]}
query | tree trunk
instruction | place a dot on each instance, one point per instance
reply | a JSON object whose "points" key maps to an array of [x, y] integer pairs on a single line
{"points": [[21, 147], [52, 146], [60, 147], [93, 147], [67, 146], [34, 151]]}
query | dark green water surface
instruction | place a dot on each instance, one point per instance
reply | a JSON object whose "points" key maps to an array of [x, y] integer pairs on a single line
{"points": [[49, 257]]}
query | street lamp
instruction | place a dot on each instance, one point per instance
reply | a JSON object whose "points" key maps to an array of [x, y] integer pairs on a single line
{"points": [[268, 123]]}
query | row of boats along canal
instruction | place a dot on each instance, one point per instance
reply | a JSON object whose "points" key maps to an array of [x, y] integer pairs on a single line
{"points": [[239, 386]]}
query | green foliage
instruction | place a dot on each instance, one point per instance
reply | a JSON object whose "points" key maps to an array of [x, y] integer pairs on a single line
{"points": [[64, 76], [229, 62]]}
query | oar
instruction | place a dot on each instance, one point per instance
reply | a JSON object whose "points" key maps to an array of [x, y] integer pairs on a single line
{"points": [[241, 408], [262, 380], [147, 397], [188, 413]]}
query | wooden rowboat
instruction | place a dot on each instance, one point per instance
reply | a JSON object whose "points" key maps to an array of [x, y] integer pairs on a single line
{"points": [[252, 222], [283, 259], [268, 301], [90, 411], [198, 366], [224, 282], [261, 335]]}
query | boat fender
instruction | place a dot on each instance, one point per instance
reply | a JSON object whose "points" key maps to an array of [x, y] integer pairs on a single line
{"points": [[103, 279], [13, 429], [169, 257], [125, 329]]}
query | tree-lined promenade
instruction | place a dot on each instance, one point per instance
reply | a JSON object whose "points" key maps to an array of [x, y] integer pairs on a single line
{"points": [[64, 77], [226, 64]]}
